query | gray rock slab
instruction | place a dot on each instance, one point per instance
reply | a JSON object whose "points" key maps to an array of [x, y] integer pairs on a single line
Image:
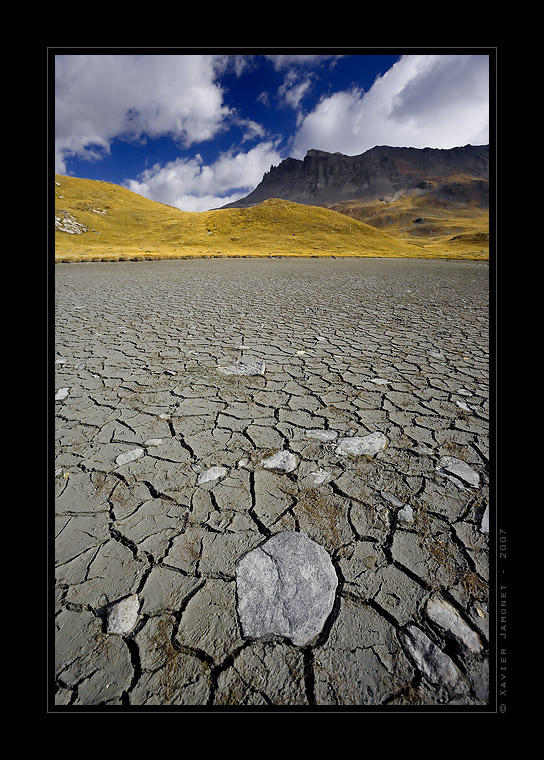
{"points": [[211, 474], [244, 368], [434, 664], [129, 456], [286, 587], [322, 435], [369, 445], [451, 466], [123, 615], [448, 619], [285, 461]]}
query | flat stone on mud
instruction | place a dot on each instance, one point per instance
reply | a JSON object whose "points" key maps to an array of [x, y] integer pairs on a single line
{"points": [[367, 444], [282, 460], [436, 666], [285, 587], [449, 620], [122, 616], [322, 435], [212, 473], [460, 470], [129, 456], [244, 368]]}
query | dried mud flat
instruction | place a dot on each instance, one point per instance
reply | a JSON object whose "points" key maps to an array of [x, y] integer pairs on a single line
{"points": [[201, 408]]}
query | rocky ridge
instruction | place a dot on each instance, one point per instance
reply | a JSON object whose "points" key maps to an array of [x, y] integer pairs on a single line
{"points": [[321, 178]]}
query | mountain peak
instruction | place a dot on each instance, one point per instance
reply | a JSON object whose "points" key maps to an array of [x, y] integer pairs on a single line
{"points": [[323, 178]]}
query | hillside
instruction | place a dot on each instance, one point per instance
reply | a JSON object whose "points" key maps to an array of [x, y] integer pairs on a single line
{"points": [[433, 198], [101, 221]]}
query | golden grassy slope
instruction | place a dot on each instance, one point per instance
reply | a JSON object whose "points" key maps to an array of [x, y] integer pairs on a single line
{"points": [[442, 228], [120, 224]]}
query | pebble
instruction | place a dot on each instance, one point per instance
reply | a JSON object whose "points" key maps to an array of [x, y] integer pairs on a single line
{"points": [[484, 525], [406, 514], [122, 616], [212, 473], [322, 435], [448, 619], [282, 460], [436, 666], [460, 471], [369, 444], [244, 368], [321, 476], [61, 394], [464, 405], [129, 456]]}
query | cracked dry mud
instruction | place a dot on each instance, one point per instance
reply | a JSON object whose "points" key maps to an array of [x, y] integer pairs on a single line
{"points": [[160, 485]]}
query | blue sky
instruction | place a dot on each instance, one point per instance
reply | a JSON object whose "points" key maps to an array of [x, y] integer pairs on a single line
{"points": [[198, 130]]}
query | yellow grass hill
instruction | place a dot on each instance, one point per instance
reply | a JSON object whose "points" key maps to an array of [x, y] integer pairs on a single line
{"points": [[101, 221]]}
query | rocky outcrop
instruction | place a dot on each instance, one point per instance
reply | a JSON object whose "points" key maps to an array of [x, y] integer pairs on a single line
{"points": [[382, 172]]}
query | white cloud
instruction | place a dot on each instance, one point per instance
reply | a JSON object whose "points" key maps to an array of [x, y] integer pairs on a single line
{"points": [[293, 88], [439, 101], [101, 97], [189, 185], [286, 61]]}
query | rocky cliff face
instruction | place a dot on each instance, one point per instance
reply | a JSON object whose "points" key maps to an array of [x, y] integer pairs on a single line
{"points": [[383, 172]]}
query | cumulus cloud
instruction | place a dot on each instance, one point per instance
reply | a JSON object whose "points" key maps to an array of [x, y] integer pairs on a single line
{"points": [[190, 185], [437, 101], [102, 97]]}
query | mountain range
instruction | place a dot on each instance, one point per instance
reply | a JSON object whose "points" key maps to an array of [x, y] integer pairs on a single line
{"points": [[380, 174]]}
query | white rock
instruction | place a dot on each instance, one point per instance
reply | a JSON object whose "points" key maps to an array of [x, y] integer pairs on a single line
{"points": [[212, 473], [447, 618], [122, 616], [460, 471], [464, 405], [321, 476], [484, 525], [379, 381], [244, 368], [61, 394], [282, 460], [436, 666], [285, 587], [153, 442], [322, 435], [129, 456], [406, 514], [369, 444]]}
